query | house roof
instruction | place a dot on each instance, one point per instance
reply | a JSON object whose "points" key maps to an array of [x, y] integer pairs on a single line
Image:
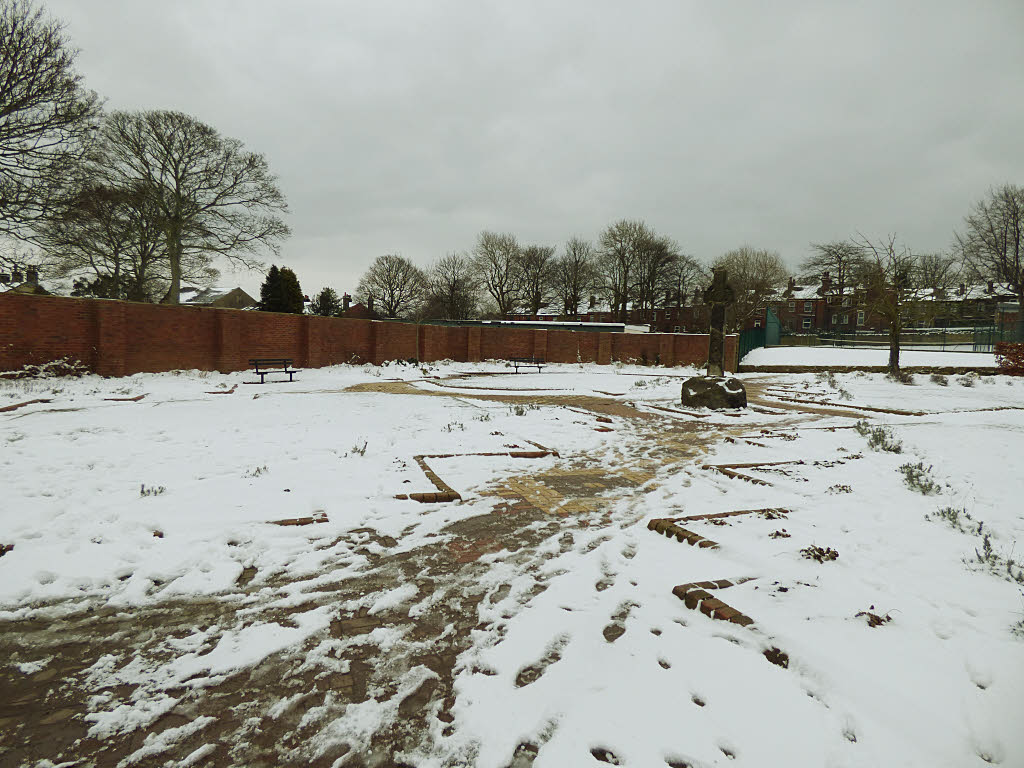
{"points": [[360, 312], [216, 296], [30, 289]]}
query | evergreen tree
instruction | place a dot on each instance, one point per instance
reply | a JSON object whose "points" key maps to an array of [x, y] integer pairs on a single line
{"points": [[270, 291], [292, 298], [280, 292], [326, 303]]}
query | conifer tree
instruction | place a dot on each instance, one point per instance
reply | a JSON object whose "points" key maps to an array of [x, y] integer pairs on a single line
{"points": [[270, 291]]}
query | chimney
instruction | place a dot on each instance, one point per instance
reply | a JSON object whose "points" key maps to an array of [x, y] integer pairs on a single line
{"points": [[345, 301], [991, 286], [961, 289], [32, 275], [16, 276], [792, 285], [593, 301], [826, 282], [369, 302]]}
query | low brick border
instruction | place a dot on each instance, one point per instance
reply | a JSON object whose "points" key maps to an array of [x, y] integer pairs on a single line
{"points": [[125, 399], [770, 513], [729, 470], [320, 517], [847, 406], [667, 527], [16, 406], [696, 597], [445, 493]]}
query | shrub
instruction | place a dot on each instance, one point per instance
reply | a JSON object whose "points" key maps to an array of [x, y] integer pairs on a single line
{"points": [[1010, 357], [879, 438], [827, 377], [153, 490], [918, 478], [938, 378], [822, 555], [903, 377]]}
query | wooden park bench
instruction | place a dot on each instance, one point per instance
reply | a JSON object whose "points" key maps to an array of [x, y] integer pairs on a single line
{"points": [[265, 365], [527, 362]]}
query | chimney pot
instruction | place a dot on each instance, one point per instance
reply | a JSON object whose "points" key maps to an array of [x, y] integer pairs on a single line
{"points": [[16, 276], [369, 302], [345, 301], [32, 275]]}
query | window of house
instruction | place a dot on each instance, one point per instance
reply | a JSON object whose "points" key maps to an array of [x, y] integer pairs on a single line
{"points": [[846, 319], [677, 329], [792, 306], [860, 317], [835, 319], [757, 323], [846, 301], [808, 307], [807, 322]]}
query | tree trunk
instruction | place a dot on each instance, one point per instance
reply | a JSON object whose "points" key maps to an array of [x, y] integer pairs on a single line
{"points": [[894, 350], [173, 294]]}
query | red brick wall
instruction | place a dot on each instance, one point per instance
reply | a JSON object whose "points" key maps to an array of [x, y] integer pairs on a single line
{"points": [[503, 343], [116, 338]]}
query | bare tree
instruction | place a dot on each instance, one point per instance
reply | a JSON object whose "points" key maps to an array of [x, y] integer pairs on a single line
{"points": [[937, 272], [839, 258], [686, 274], [992, 242], [655, 265], [756, 275], [892, 292], [109, 235], [620, 247], [397, 285], [497, 264], [536, 276], [212, 196], [573, 274], [45, 114], [452, 291]]}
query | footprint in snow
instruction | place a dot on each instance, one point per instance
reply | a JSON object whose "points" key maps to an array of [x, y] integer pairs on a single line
{"points": [[533, 672], [605, 755]]}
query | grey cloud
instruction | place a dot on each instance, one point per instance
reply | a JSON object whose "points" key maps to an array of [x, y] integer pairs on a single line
{"points": [[409, 127]]}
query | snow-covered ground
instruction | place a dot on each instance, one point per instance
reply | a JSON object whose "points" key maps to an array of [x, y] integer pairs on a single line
{"points": [[839, 356], [572, 649]]}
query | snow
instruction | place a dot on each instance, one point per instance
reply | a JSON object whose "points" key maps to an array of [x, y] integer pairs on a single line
{"points": [[844, 356], [938, 684]]}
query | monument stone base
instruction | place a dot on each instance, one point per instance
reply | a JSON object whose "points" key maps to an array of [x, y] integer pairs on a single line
{"points": [[716, 392]]}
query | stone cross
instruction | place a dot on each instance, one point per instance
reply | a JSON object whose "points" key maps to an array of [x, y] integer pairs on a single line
{"points": [[719, 294]]}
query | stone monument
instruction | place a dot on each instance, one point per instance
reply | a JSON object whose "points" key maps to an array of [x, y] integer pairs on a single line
{"points": [[716, 390]]}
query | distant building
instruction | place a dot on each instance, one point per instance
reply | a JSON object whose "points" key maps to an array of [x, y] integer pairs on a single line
{"points": [[357, 311], [27, 284], [235, 298]]}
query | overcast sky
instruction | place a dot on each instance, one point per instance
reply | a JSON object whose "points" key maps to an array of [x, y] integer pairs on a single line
{"points": [[409, 127]]}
